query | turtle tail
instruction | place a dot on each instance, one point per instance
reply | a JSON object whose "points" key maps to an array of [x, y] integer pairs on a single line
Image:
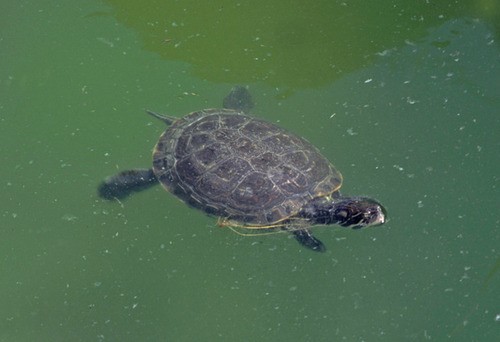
{"points": [[125, 183]]}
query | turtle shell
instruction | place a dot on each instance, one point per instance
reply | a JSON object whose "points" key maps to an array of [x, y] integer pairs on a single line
{"points": [[241, 168]]}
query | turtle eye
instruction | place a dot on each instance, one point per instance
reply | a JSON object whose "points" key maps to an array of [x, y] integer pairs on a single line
{"points": [[342, 213]]}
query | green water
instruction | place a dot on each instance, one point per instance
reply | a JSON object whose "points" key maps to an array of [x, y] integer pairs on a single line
{"points": [[404, 99]]}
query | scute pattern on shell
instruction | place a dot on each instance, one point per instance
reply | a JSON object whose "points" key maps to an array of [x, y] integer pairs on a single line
{"points": [[241, 168]]}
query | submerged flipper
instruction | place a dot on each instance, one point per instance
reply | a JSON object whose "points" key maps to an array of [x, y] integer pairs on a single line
{"points": [[306, 239], [125, 183], [239, 99]]}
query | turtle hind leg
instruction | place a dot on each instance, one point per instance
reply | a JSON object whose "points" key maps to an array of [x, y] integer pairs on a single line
{"points": [[125, 183], [306, 239]]}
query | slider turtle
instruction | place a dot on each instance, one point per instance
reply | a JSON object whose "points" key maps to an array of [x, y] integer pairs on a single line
{"points": [[249, 172]]}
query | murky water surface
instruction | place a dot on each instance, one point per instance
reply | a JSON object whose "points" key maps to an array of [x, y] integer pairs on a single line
{"points": [[402, 98]]}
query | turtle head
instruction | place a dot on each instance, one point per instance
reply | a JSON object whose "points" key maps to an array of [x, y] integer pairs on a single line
{"points": [[358, 212], [351, 212]]}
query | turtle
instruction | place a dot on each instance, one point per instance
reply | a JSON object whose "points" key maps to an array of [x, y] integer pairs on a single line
{"points": [[249, 172]]}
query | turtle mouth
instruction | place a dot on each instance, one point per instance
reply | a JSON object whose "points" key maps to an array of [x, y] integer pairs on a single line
{"points": [[379, 217]]}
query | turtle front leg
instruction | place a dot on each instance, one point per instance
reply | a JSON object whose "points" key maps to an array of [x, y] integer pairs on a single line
{"points": [[306, 239], [125, 183]]}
